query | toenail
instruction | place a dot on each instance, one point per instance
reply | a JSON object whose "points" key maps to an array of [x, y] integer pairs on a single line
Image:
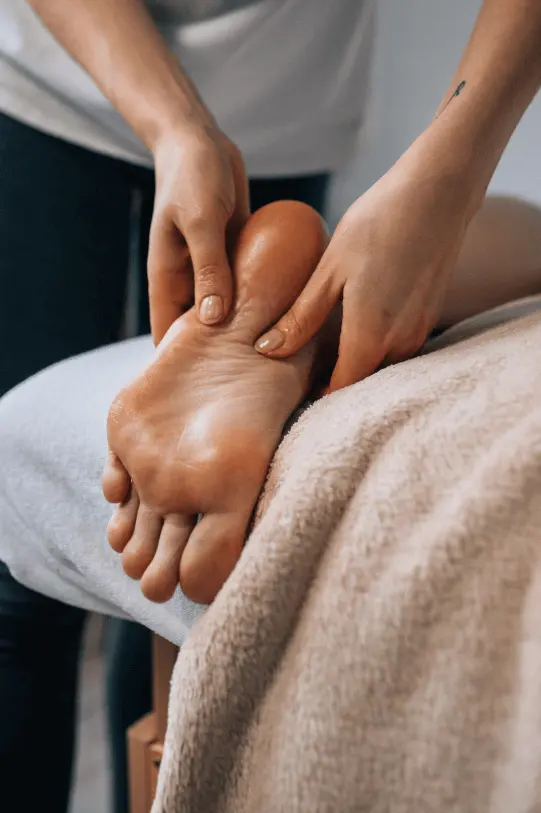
{"points": [[270, 341], [212, 309]]}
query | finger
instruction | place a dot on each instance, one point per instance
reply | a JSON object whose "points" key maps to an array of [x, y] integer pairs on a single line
{"points": [[170, 277], [213, 280], [305, 317], [361, 350]]}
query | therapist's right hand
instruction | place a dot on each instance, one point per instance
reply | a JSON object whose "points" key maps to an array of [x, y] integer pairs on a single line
{"points": [[201, 203]]}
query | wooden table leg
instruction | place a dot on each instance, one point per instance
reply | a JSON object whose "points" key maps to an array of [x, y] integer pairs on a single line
{"points": [[146, 736], [141, 736], [164, 656]]}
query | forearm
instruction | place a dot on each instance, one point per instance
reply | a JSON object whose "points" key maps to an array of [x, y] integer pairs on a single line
{"points": [[118, 44], [497, 78]]}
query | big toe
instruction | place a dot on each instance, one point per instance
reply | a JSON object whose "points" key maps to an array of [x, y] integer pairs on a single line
{"points": [[212, 552], [161, 578], [115, 480]]}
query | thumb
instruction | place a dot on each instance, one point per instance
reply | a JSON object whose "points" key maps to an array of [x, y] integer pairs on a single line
{"points": [[213, 279], [305, 317]]}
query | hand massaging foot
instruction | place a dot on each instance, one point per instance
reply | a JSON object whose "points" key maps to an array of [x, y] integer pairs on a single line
{"points": [[198, 428]]}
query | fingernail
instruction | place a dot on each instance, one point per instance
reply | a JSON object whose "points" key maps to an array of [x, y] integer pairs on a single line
{"points": [[211, 309], [270, 341]]}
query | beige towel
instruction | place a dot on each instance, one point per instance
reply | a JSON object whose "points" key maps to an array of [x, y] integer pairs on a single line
{"points": [[378, 648]]}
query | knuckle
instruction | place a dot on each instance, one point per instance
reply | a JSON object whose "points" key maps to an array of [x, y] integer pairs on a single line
{"points": [[196, 222], [204, 218], [185, 218], [207, 275]]}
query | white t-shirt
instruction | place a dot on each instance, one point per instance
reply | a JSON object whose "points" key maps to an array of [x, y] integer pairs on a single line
{"points": [[287, 80]]}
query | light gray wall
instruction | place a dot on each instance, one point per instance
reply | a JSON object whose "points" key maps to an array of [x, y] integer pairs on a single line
{"points": [[418, 49]]}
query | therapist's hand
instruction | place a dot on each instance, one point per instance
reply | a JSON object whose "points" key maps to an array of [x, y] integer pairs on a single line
{"points": [[390, 260], [201, 203]]}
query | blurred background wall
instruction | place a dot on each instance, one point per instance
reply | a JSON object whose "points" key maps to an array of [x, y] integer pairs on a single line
{"points": [[418, 48]]}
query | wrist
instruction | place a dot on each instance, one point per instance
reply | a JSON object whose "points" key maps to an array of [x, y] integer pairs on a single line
{"points": [[178, 138], [179, 114], [458, 167]]}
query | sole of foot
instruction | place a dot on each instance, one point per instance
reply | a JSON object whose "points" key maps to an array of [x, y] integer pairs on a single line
{"points": [[193, 435]]}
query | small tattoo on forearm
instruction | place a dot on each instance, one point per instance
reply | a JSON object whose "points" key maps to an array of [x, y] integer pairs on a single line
{"points": [[459, 88]]}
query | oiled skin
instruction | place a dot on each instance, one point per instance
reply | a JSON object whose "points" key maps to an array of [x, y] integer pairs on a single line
{"points": [[197, 429]]}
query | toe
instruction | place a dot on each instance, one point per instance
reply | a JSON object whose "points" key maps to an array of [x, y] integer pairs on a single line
{"points": [[140, 550], [161, 578], [122, 524], [211, 554], [115, 481]]}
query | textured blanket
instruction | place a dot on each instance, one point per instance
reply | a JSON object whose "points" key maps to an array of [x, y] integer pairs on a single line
{"points": [[378, 647]]}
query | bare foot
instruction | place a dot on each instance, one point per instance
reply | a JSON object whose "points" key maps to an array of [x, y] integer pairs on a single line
{"points": [[198, 428]]}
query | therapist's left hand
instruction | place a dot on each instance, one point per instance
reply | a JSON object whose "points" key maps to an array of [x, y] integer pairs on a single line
{"points": [[390, 260]]}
